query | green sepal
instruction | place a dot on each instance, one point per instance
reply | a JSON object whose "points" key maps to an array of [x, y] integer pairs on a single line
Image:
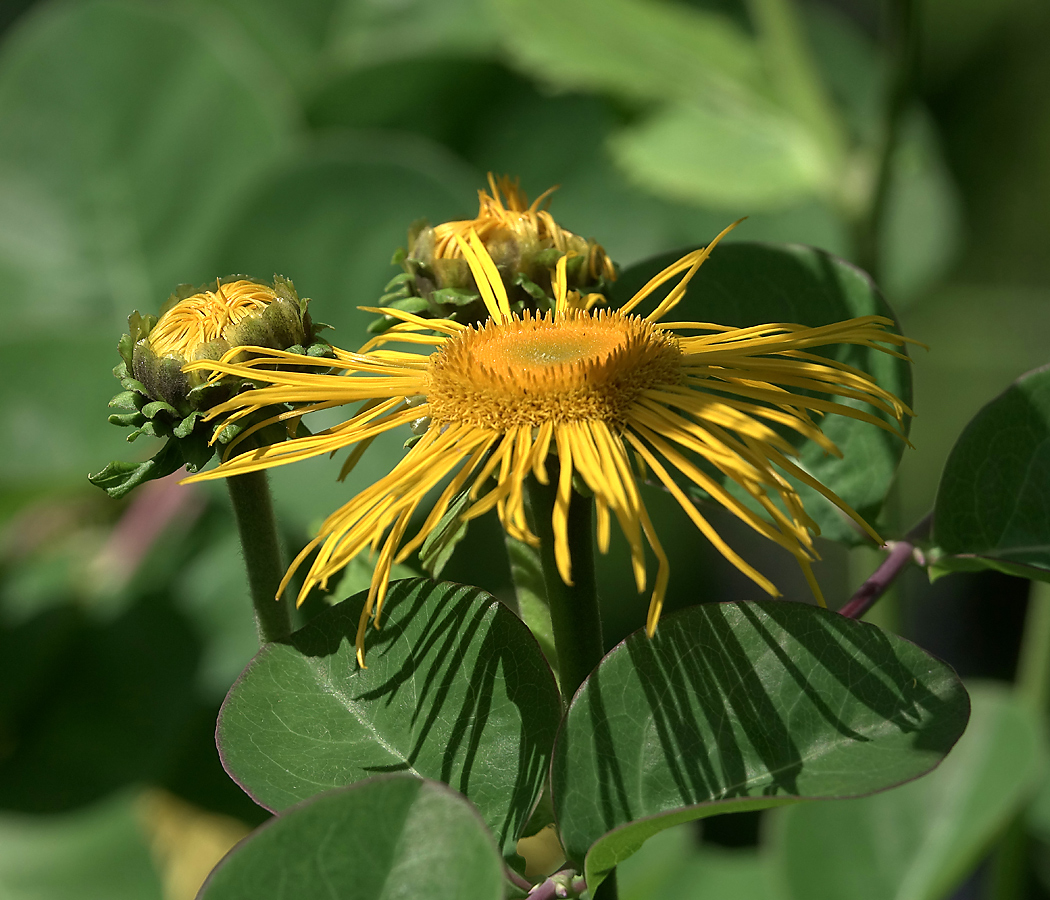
{"points": [[118, 478], [132, 384], [548, 258], [150, 410], [533, 290], [409, 304], [127, 400], [127, 419], [187, 425], [402, 282], [196, 451], [454, 297]]}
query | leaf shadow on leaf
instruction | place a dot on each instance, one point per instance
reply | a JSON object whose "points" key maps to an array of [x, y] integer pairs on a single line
{"points": [[430, 669], [740, 705], [899, 697]]}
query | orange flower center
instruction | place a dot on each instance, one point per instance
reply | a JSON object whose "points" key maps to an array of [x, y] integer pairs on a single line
{"points": [[531, 370]]}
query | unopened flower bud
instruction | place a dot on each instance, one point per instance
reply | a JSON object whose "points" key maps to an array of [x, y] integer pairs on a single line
{"points": [[523, 240], [162, 400]]}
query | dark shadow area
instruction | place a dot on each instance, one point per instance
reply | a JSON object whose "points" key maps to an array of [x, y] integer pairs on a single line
{"points": [[90, 707]]}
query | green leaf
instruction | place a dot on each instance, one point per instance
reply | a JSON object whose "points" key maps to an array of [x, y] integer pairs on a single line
{"points": [[392, 836], [736, 706], [749, 157], [750, 284], [919, 841], [531, 593], [636, 49], [97, 853], [672, 865], [993, 502], [456, 689]]}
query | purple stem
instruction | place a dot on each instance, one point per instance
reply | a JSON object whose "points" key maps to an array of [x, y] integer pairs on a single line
{"points": [[879, 580], [562, 881], [517, 880]]}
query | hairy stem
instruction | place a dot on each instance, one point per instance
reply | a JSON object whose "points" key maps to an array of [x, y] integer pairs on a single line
{"points": [[257, 528], [575, 618]]}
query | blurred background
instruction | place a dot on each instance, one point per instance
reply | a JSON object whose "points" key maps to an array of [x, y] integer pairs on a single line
{"points": [[147, 143]]}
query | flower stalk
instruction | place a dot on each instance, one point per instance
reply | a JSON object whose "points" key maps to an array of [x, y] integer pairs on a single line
{"points": [[575, 617], [257, 529]]}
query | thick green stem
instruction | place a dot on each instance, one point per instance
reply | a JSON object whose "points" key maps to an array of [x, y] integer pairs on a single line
{"points": [[257, 528], [574, 612]]}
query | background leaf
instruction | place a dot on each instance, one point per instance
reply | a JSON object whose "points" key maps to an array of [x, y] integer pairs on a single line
{"points": [[393, 836], [735, 706], [112, 691], [636, 49], [750, 284], [97, 853], [918, 841], [673, 865], [456, 689], [993, 502], [741, 158], [118, 174]]}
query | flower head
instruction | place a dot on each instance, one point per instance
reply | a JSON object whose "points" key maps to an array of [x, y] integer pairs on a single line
{"points": [[205, 324], [509, 226], [602, 394], [523, 240], [162, 400]]}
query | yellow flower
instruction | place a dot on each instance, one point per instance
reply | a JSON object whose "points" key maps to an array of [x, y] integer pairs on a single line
{"points": [[206, 317], [528, 227], [205, 324], [523, 240], [608, 393]]}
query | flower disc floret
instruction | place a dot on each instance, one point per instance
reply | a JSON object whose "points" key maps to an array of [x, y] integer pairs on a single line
{"points": [[554, 368], [208, 316]]}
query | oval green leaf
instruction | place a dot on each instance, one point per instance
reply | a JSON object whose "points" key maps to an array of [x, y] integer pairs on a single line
{"points": [[735, 706], [745, 284], [993, 502], [917, 842], [391, 836], [456, 690]]}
